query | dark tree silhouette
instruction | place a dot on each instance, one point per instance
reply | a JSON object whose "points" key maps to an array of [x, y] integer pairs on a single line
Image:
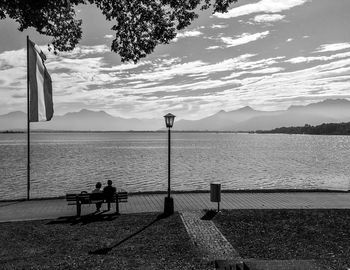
{"points": [[323, 129], [139, 25]]}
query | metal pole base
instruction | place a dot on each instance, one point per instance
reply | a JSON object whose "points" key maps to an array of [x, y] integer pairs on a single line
{"points": [[169, 206]]}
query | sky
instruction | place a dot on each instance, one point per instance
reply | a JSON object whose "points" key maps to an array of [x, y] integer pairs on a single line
{"points": [[266, 54]]}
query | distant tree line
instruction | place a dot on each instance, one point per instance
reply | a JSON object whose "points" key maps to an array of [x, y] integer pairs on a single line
{"points": [[11, 131], [324, 129]]}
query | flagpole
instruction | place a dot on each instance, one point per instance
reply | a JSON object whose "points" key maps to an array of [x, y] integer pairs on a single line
{"points": [[28, 125]]}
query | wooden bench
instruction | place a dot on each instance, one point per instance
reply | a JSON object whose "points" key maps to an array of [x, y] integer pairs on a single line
{"points": [[79, 199]]}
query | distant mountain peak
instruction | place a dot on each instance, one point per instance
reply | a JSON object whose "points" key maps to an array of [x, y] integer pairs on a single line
{"points": [[245, 109], [334, 101], [85, 110], [16, 113], [88, 112]]}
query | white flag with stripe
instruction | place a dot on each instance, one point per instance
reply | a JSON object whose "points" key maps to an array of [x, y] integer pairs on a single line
{"points": [[40, 85]]}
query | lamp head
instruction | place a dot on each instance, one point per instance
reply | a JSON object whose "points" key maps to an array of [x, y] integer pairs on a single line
{"points": [[169, 120]]}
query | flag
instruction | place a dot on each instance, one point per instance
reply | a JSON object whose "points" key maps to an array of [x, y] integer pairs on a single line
{"points": [[40, 85]]}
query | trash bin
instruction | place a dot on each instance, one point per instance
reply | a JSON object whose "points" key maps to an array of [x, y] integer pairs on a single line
{"points": [[215, 192]]}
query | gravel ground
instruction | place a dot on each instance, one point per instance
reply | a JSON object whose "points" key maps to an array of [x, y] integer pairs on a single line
{"points": [[134, 241], [322, 234]]}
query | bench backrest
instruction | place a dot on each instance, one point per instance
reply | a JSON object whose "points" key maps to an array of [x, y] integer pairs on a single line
{"points": [[90, 197], [73, 196]]}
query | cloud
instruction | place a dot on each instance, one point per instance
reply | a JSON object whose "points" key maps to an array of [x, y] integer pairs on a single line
{"points": [[125, 66], [191, 33], [87, 78], [266, 18], [332, 47], [108, 36], [81, 65], [262, 70], [9, 59], [267, 6], [82, 51], [297, 84], [219, 26], [13, 78], [289, 40], [71, 72], [17, 58], [303, 59], [243, 39], [213, 47]]}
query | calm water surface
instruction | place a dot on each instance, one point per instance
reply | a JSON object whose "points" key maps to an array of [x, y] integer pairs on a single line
{"points": [[63, 162]]}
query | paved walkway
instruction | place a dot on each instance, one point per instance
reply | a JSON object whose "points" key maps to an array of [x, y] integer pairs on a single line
{"points": [[207, 237], [49, 209]]}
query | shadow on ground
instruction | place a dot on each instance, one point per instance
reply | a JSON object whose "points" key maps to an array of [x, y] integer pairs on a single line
{"points": [[209, 215], [106, 250], [86, 219]]}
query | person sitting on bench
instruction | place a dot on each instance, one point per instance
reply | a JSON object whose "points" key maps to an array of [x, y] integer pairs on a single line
{"points": [[109, 191], [98, 190]]}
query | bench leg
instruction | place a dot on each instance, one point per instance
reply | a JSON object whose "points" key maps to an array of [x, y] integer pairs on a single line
{"points": [[78, 209], [117, 206]]}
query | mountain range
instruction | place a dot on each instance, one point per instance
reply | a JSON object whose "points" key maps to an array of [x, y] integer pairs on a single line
{"points": [[243, 119], [248, 119], [84, 120]]}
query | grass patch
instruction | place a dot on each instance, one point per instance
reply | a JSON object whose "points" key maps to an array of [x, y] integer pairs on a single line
{"points": [[322, 234], [133, 241]]}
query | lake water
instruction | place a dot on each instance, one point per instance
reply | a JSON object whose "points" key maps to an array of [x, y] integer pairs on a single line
{"points": [[62, 162]]}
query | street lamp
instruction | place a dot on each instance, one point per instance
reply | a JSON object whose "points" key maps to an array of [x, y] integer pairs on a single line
{"points": [[169, 202]]}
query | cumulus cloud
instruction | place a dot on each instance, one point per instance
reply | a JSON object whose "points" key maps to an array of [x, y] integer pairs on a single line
{"points": [[9, 59], [70, 71], [86, 78], [17, 58], [266, 6], [267, 18], [297, 84], [108, 36], [332, 47], [191, 33], [243, 39], [160, 85]]}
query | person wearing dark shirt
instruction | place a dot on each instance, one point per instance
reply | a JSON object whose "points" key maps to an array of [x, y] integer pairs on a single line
{"points": [[97, 190], [109, 191]]}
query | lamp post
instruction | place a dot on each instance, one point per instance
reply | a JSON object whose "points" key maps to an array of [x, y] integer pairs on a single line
{"points": [[169, 202]]}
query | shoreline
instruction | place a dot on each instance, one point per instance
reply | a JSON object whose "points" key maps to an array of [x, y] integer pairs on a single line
{"points": [[257, 132], [202, 191], [119, 131]]}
